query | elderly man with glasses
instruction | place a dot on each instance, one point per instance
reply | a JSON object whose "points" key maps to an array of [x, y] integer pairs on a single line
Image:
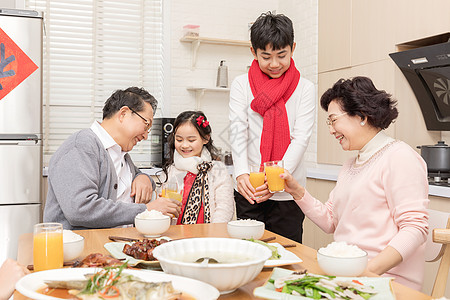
{"points": [[92, 181]]}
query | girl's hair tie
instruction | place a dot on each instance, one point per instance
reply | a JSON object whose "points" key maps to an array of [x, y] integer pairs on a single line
{"points": [[202, 122]]}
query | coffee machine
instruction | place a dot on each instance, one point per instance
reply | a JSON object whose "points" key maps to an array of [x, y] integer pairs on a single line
{"points": [[159, 150]]}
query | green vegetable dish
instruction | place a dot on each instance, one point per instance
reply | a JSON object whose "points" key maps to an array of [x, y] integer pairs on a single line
{"points": [[275, 254], [322, 287]]}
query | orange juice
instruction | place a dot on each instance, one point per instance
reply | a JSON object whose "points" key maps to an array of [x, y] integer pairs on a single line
{"points": [[275, 183], [48, 251], [174, 195], [256, 179], [171, 194]]}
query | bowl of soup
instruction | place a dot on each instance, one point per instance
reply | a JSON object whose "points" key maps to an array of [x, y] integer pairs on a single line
{"points": [[225, 263]]}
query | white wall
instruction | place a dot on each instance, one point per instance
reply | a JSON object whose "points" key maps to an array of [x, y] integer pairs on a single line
{"points": [[229, 20]]}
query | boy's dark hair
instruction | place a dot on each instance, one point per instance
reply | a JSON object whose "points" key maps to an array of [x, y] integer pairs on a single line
{"points": [[359, 97], [269, 29], [205, 133], [133, 97]]}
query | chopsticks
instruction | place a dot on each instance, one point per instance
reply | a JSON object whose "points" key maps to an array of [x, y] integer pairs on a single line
{"points": [[121, 238], [272, 238], [268, 239], [65, 264]]}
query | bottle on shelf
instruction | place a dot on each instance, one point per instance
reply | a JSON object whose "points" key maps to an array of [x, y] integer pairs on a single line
{"points": [[222, 75]]}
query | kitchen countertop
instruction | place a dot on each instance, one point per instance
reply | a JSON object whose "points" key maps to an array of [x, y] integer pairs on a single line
{"points": [[330, 172]]}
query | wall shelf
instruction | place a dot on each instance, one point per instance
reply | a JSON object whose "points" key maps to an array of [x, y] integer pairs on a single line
{"points": [[200, 91], [197, 41]]}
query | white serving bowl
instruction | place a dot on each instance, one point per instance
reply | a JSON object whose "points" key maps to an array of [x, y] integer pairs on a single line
{"points": [[73, 248], [245, 229], [152, 227], [342, 266], [240, 261]]}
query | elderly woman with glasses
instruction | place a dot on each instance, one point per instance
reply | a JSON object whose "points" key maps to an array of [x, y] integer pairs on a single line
{"points": [[380, 199]]}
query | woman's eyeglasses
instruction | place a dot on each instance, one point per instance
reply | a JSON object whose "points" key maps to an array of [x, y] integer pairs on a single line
{"points": [[331, 121]]}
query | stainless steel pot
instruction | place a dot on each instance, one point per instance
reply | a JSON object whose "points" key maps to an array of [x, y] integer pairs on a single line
{"points": [[436, 156]]}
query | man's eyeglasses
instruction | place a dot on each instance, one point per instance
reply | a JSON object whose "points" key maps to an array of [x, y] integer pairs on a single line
{"points": [[147, 123], [331, 121]]}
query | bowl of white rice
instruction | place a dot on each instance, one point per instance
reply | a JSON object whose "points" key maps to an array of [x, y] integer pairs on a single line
{"points": [[152, 223], [73, 245], [245, 229], [342, 259]]}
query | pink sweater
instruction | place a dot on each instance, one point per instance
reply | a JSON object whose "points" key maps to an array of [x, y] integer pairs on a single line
{"points": [[382, 202]]}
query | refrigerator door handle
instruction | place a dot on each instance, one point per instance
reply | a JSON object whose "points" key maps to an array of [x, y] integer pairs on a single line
{"points": [[12, 143], [19, 137], [19, 143]]}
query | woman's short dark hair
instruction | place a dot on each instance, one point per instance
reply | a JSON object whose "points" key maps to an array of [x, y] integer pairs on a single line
{"points": [[133, 97], [270, 29], [205, 133], [359, 97]]}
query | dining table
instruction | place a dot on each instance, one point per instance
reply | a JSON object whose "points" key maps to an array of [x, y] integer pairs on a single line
{"points": [[95, 239]]}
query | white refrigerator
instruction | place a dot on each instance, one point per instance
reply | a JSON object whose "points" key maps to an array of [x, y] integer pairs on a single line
{"points": [[20, 126]]}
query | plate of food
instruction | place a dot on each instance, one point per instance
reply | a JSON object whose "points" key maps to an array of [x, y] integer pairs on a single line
{"points": [[285, 257], [98, 283], [135, 253], [280, 256], [289, 285]]}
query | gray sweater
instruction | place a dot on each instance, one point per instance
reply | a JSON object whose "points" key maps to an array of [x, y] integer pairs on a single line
{"points": [[82, 186]]}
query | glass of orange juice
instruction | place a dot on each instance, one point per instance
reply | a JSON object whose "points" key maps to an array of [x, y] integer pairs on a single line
{"points": [[48, 246], [273, 170], [257, 175], [170, 190]]}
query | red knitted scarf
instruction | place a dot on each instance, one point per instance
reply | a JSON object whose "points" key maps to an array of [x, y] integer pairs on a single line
{"points": [[271, 96]]}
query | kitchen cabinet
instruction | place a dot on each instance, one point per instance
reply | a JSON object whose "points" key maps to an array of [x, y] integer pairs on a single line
{"points": [[334, 35], [197, 41], [372, 24], [313, 236], [416, 19]]}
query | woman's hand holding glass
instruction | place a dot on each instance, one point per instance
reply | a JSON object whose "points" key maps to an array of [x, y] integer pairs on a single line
{"points": [[291, 186]]}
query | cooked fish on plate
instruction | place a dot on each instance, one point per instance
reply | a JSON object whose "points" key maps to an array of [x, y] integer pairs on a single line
{"points": [[120, 283]]}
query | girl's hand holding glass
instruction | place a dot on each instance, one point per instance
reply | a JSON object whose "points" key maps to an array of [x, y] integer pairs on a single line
{"points": [[170, 190]]}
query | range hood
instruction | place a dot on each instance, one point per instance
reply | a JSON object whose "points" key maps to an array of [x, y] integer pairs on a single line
{"points": [[427, 69]]}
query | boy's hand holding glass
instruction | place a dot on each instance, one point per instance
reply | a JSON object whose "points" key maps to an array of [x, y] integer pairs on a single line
{"points": [[257, 176], [257, 179]]}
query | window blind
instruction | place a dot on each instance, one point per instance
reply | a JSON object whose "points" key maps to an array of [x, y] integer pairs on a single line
{"points": [[92, 48]]}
